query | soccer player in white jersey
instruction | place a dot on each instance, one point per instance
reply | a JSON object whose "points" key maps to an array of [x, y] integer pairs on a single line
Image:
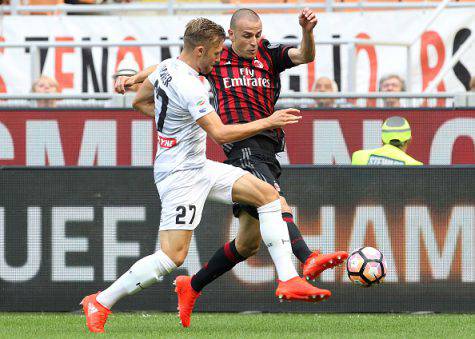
{"points": [[185, 178]]}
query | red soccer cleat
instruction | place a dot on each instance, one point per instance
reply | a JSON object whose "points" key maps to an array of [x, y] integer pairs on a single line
{"points": [[96, 314], [317, 263], [298, 289], [186, 298]]}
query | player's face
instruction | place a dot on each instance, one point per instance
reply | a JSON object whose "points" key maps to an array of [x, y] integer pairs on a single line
{"points": [[245, 37], [210, 57]]}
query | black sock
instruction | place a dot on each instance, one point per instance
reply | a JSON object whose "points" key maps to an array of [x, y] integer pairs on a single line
{"points": [[222, 261], [299, 247]]}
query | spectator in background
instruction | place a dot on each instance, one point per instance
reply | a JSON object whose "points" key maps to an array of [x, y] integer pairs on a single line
{"points": [[392, 83], [325, 85], [45, 84]]}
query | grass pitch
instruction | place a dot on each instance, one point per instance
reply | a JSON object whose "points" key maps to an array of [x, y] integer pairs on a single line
{"points": [[222, 325]]}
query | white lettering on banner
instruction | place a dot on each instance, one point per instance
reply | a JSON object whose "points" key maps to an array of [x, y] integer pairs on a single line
{"points": [[418, 222], [114, 249], [99, 142], [325, 242], [329, 146], [372, 133], [33, 252], [43, 141], [375, 216], [142, 142], [7, 149], [445, 137], [61, 244]]}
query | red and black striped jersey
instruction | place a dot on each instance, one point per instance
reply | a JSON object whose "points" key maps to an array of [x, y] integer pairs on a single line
{"points": [[247, 89]]}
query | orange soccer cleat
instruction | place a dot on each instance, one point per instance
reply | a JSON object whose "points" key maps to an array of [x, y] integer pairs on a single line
{"points": [[317, 263], [96, 314], [298, 289], [186, 298]]}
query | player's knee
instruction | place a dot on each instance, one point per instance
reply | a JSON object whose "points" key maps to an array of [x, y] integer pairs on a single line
{"points": [[285, 207], [178, 257], [247, 249], [269, 194]]}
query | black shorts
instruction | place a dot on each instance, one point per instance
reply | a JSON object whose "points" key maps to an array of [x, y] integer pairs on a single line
{"points": [[259, 158]]}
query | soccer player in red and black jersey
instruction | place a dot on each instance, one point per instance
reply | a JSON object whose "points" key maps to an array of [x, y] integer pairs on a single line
{"points": [[246, 86]]}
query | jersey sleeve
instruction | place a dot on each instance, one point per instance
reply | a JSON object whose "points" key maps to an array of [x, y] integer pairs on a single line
{"points": [[280, 55], [153, 76], [195, 98]]}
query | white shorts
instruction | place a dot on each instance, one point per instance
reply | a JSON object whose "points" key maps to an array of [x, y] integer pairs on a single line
{"points": [[183, 193]]}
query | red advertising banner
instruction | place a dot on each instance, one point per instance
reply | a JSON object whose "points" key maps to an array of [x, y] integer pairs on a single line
{"points": [[75, 137]]}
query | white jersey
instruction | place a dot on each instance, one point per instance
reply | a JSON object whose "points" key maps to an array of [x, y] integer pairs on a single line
{"points": [[180, 100]]}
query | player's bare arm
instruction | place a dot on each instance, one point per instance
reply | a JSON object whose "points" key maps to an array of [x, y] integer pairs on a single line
{"points": [[124, 82], [306, 52], [223, 134], [143, 101]]}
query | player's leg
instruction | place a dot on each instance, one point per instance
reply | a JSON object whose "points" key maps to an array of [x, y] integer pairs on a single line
{"points": [[224, 259], [274, 232], [176, 228], [141, 275], [313, 263], [145, 272]]}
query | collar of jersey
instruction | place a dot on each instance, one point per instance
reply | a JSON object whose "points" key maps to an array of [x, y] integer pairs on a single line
{"points": [[191, 69]]}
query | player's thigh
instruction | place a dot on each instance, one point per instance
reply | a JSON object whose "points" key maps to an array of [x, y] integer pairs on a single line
{"points": [[224, 178], [249, 236], [183, 195], [175, 244], [252, 191]]}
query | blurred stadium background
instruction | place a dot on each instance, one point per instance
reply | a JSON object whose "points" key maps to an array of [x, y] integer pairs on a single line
{"points": [[78, 205]]}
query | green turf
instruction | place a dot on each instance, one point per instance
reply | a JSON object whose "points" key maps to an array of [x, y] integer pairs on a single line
{"points": [[219, 325]]}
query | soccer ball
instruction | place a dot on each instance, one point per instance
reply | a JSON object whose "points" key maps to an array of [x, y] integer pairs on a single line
{"points": [[366, 266]]}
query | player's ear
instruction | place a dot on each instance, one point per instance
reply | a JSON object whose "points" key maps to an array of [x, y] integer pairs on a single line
{"points": [[200, 50], [231, 34]]}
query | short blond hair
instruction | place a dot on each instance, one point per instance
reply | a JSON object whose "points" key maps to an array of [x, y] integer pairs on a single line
{"points": [[202, 31], [47, 78]]}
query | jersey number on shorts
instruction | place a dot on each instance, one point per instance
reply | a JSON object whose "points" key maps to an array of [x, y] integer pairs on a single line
{"points": [[182, 214], [163, 111]]}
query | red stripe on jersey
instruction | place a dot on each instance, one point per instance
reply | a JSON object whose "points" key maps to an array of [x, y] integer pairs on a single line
{"points": [[243, 87]]}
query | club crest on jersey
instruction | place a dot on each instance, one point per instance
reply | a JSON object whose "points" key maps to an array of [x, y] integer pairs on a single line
{"points": [[258, 64]]}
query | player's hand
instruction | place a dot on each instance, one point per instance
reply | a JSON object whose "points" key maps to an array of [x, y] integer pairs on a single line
{"points": [[284, 117], [307, 19], [122, 83]]}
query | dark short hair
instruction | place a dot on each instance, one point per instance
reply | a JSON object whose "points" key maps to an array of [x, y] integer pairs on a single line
{"points": [[241, 13], [202, 31]]}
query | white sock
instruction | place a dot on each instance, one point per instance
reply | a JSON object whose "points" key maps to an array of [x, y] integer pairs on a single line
{"points": [[275, 234], [142, 274]]}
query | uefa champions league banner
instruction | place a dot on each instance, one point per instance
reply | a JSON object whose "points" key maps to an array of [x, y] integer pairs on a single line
{"points": [[323, 137], [65, 233], [90, 69]]}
